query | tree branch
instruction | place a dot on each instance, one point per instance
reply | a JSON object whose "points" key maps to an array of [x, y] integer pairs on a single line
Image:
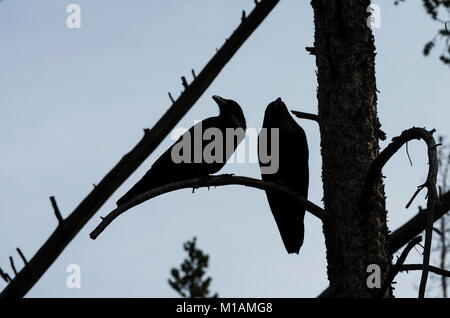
{"points": [[306, 115], [13, 267], [375, 172], [56, 243], [25, 263], [431, 268], [5, 276], [220, 180], [397, 267], [417, 224], [57, 213]]}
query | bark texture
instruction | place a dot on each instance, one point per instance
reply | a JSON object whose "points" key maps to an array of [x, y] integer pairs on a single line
{"points": [[350, 129]]}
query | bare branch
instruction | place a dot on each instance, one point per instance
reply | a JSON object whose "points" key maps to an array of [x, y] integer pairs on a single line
{"points": [[306, 115], [56, 243], [419, 188], [417, 224], [22, 256], [184, 82], [221, 180], [397, 267], [438, 231], [5, 276], [431, 268], [13, 267], [57, 212], [171, 98]]}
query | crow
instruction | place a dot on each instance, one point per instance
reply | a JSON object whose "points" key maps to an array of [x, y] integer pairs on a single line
{"points": [[190, 157], [292, 172]]}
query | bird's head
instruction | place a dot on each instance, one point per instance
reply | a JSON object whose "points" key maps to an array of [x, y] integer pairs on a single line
{"points": [[230, 109], [277, 107]]}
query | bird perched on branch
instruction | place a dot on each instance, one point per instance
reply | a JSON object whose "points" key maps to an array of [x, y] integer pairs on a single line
{"points": [[290, 149], [191, 157]]}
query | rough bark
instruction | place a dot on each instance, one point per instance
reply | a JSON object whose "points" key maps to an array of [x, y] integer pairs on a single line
{"points": [[349, 127]]}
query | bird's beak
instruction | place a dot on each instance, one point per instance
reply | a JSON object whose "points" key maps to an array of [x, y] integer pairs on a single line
{"points": [[220, 101], [279, 101]]}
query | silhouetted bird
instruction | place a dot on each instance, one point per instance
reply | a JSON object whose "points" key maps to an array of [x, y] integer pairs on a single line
{"points": [[292, 172], [192, 147]]}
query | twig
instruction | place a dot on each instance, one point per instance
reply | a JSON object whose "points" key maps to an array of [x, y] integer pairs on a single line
{"points": [[22, 256], [397, 267], [438, 231], [221, 180], [431, 268], [184, 82], [5, 276], [397, 142], [306, 115], [171, 98], [311, 50], [13, 267], [419, 188], [244, 16], [409, 157], [56, 243], [57, 212]]}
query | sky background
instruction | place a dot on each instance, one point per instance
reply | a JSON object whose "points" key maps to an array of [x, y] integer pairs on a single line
{"points": [[74, 101]]}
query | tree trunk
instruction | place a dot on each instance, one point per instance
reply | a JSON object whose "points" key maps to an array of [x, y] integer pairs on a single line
{"points": [[349, 127]]}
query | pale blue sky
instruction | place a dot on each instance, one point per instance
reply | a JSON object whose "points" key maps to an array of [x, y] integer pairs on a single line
{"points": [[74, 101]]}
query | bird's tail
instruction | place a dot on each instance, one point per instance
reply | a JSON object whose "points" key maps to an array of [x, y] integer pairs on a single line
{"points": [[145, 184], [293, 238], [126, 197]]}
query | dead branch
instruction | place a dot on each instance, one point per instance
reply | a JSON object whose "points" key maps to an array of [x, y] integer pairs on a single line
{"points": [[22, 256], [431, 268], [5, 276], [57, 212], [56, 243], [417, 224], [303, 115], [13, 267], [398, 266], [375, 172], [220, 180]]}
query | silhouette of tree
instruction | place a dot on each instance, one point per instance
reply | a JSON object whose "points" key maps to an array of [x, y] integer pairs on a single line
{"points": [[188, 281]]}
